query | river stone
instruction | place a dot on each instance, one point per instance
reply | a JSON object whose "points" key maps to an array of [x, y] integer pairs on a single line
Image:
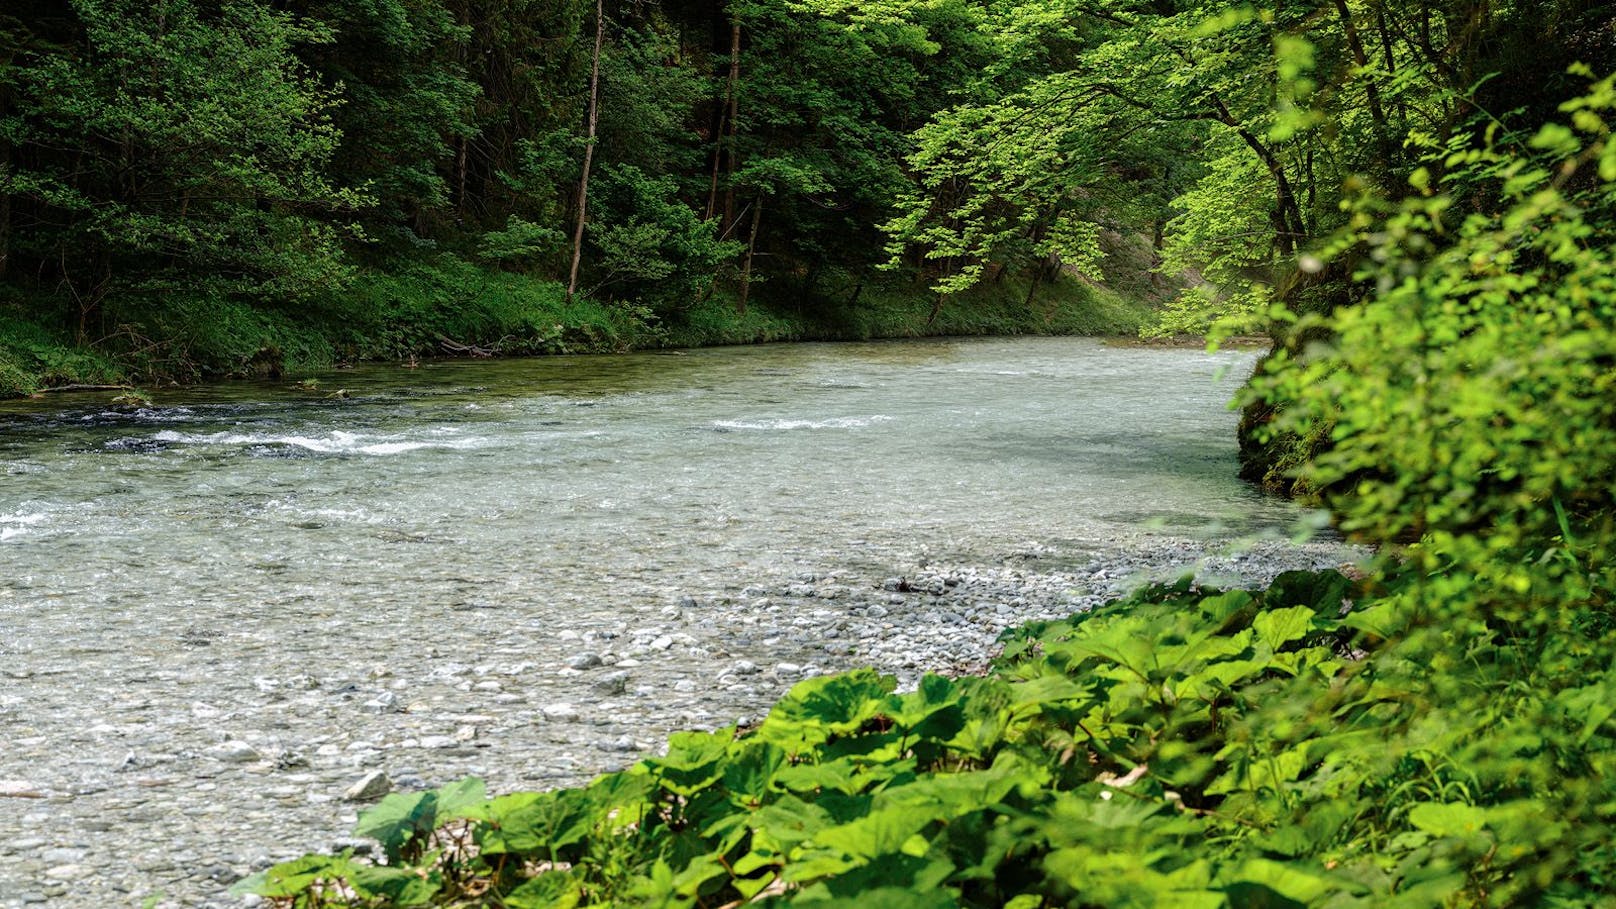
{"points": [[369, 787], [234, 752], [67, 872], [584, 661], [562, 713]]}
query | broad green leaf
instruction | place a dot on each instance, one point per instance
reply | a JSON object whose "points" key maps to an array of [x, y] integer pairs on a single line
{"points": [[292, 878], [550, 890], [1448, 818], [399, 819], [399, 886], [1277, 627], [1300, 882]]}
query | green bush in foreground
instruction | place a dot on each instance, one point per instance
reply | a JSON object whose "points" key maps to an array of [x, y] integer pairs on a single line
{"points": [[1181, 748]]}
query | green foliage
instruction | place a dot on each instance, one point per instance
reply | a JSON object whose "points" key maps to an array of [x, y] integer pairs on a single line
{"points": [[177, 147], [1183, 747], [651, 247], [1470, 402], [32, 358]]}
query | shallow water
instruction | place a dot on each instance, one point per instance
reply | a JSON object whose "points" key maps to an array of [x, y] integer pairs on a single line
{"points": [[582, 464], [170, 575]]}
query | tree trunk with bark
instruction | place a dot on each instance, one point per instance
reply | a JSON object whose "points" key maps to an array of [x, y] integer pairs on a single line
{"points": [[723, 146], [751, 247], [589, 150]]}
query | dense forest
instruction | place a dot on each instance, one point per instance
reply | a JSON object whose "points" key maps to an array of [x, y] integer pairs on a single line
{"points": [[191, 188], [1414, 198]]}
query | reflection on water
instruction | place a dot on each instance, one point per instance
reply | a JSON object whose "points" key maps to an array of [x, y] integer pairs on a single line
{"points": [[569, 471]]}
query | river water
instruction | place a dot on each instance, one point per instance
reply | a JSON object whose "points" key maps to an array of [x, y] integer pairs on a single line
{"points": [[218, 611]]}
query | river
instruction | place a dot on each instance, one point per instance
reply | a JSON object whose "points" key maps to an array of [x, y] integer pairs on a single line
{"points": [[219, 611]]}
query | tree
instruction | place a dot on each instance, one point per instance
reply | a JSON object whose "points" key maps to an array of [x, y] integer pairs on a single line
{"points": [[589, 149], [167, 146]]}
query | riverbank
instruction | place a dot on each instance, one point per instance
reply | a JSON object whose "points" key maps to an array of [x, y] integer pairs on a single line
{"points": [[233, 604], [446, 307], [183, 778]]}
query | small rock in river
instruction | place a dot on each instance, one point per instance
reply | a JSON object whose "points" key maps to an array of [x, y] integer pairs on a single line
{"points": [[370, 787], [21, 789], [584, 661], [67, 872], [234, 752], [611, 683], [383, 702], [560, 713], [439, 741], [621, 743]]}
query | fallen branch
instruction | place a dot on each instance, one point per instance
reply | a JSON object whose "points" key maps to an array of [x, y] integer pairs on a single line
{"points": [[465, 350], [85, 388]]}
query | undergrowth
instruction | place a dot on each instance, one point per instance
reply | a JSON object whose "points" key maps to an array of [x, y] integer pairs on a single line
{"points": [[443, 305]]}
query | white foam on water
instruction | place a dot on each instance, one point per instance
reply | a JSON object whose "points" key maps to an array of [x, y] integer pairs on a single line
{"points": [[19, 524], [832, 423], [338, 442]]}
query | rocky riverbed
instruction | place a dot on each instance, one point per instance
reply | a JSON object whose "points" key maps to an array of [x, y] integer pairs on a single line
{"points": [[159, 759]]}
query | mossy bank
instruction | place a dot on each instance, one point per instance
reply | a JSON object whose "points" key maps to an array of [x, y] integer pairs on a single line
{"points": [[446, 307]]}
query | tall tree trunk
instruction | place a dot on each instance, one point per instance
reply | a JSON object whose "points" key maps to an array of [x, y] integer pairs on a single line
{"points": [[1377, 113], [1391, 66], [460, 178], [726, 118], [589, 150], [734, 113], [751, 247], [1289, 225], [5, 213]]}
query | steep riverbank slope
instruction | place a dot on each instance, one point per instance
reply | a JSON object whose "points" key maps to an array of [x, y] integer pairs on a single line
{"points": [[446, 307]]}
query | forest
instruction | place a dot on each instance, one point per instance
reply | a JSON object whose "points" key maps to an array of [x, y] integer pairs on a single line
{"points": [[1413, 199], [193, 189]]}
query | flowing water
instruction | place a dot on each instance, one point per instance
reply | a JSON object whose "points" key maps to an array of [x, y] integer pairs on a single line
{"points": [[260, 566]]}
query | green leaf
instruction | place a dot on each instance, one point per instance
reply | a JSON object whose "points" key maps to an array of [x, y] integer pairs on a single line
{"points": [[1299, 883], [550, 890], [398, 820], [1278, 627], [466, 799], [399, 886], [292, 878], [1448, 818]]}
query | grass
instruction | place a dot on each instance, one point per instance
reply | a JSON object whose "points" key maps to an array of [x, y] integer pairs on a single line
{"points": [[429, 307]]}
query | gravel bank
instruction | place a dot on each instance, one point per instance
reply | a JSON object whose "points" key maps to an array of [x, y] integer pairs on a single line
{"points": [[173, 764]]}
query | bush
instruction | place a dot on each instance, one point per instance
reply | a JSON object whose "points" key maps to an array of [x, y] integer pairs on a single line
{"points": [[1471, 402]]}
